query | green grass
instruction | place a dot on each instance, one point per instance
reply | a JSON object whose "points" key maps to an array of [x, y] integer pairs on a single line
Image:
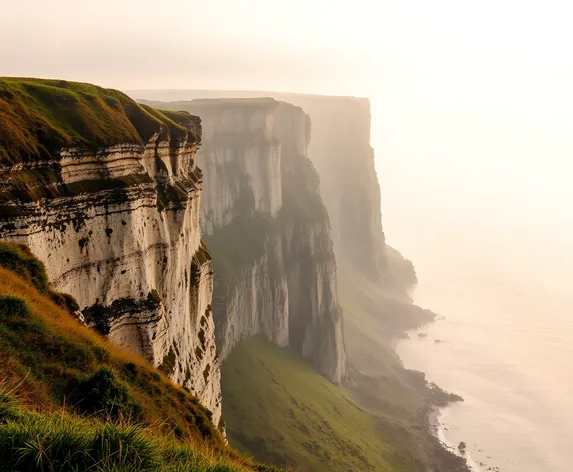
{"points": [[282, 411], [71, 365], [30, 441], [39, 117], [370, 319], [65, 392]]}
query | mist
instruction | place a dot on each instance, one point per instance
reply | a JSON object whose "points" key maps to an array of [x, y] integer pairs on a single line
{"points": [[472, 118]]}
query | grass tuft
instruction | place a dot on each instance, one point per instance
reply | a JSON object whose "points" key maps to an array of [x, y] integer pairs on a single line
{"points": [[18, 259], [38, 118], [102, 394], [11, 307]]}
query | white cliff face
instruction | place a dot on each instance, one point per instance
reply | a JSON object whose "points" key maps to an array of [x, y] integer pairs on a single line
{"points": [[256, 304], [269, 232], [341, 153], [239, 151], [120, 233]]}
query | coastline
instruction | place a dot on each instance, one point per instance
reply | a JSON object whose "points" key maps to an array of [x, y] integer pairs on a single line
{"points": [[438, 408], [437, 402], [391, 310], [436, 420]]}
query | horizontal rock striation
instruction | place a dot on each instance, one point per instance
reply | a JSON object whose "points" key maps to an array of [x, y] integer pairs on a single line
{"points": [[107, 193]]}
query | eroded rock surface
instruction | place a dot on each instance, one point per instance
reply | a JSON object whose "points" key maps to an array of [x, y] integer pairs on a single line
{"points": [[269, 231], [117, 227]]}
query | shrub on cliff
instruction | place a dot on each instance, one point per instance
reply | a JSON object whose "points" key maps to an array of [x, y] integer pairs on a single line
{"points": [[11, 307], [19, 260], [101, 393]]}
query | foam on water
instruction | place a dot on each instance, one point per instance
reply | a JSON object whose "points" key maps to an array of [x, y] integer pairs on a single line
{"points": [[441, 434]]}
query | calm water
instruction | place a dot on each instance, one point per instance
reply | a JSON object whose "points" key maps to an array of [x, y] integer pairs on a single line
{"points": [[502, 282], [507, 349]]}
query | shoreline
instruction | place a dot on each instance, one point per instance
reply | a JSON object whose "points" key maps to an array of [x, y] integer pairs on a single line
{"points": [[435, 419], [437, 402]]}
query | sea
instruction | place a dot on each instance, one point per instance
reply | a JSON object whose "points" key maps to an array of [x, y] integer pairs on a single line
{"points": [[493, 251]]}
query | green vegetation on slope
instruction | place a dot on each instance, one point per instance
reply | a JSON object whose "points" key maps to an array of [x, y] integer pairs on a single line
{"points": [[69, 400], [39, 117], [282, 411], [30, 441]]}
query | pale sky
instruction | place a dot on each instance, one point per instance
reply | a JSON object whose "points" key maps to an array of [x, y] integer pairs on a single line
{"points": [[472, 101]]}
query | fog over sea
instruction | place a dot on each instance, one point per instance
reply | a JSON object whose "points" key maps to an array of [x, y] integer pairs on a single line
{"points": [[486, 215]]}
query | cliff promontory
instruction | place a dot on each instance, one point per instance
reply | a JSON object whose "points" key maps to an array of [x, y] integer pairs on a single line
{"points": [[107, 193]]}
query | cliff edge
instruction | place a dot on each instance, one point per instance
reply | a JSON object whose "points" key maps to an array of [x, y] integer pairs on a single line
{"points": [[107, 192]]}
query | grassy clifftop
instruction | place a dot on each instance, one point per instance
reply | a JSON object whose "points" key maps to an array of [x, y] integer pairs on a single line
{"points": [[69, 400], [39, 117]]}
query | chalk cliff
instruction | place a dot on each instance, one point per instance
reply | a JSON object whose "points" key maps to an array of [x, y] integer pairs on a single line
{"points": [[341, 152], [268, 230], [107, 193]]}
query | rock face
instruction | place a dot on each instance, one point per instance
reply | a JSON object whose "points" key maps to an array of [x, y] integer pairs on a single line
{"points": [[269, 232], [116, 221], [341, 152]]}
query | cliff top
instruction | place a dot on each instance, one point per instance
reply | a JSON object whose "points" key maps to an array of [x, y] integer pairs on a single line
{"points": [[229, 102], [186, 95], [215, 105], [39, 117]]}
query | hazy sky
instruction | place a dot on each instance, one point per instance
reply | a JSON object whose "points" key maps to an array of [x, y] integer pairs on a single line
{"points": [[331, 46], [472, 101]]}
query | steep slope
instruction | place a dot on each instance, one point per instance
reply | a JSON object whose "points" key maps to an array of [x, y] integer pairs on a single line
{"points": [[269, 232], [279, 409], [107, 193], [70, 400]]}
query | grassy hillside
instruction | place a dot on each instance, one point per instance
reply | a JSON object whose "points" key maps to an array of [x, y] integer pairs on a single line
{"points": [[280, 409], [39, 117], [69, 400]]}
